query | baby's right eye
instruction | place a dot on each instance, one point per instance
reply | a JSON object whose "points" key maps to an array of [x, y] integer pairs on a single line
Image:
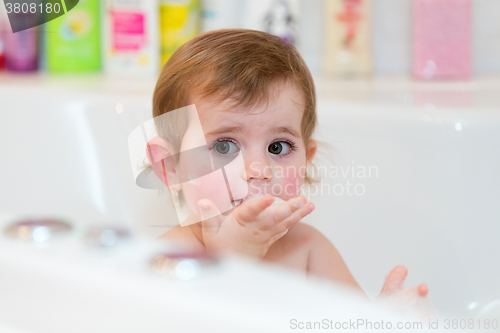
{"points": [[225, 147]]}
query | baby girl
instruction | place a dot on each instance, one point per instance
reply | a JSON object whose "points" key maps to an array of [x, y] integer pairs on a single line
{"points": [[253, 98]]}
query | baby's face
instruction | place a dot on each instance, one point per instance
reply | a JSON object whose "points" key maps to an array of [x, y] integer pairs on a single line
{"points": [[269, 140]]}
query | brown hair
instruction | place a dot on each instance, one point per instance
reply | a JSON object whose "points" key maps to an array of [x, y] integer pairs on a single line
{"points": [[234, 64]]}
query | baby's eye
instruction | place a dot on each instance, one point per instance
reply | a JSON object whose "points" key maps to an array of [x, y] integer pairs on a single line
{"points": [[279, 148], [225, 147]]}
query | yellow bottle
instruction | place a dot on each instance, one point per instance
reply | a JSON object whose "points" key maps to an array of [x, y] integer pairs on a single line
{"points": [[180, 20]]}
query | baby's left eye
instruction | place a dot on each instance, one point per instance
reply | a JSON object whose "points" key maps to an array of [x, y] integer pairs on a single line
{"points": [[279, 148], [225, 147]]}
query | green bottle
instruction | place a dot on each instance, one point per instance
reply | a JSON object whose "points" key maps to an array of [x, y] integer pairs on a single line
{"points": [[73, 40]]}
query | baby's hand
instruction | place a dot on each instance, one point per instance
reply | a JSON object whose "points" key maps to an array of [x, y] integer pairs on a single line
{"points": [[252, 227], [412, 300]]}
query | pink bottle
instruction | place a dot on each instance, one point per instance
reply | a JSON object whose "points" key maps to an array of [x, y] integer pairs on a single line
{"points": [[2, 48], [1, 51], [442, 39], [21, 48]]}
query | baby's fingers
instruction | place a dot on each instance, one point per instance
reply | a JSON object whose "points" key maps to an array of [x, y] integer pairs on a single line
{"points": [[293, 219], [422, 289], [395, 279], [249, 211], [288, 208]]}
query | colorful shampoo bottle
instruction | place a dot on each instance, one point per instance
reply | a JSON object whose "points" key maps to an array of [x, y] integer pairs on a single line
{"points": [[180, 20], [20, 49], [72, 41], [277, 17], [348, 49], [2, 37], [131, 43], [442, 39]]}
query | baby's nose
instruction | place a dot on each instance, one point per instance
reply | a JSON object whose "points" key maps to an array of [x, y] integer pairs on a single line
{"points": [[258, 170]]}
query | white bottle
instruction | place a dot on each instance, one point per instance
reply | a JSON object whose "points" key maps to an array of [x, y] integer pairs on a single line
{"points": [[277, 17], [221, 14], [131, 38]]}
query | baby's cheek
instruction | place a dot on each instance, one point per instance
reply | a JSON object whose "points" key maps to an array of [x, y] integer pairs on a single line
{"points": [[211, 187], [287, 186]]}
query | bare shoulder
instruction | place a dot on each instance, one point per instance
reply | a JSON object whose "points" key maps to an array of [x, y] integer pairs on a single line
{"points": [[293, 249], [306, 248], [305, 233], [176, 233], [305, 237], [182, 235]]}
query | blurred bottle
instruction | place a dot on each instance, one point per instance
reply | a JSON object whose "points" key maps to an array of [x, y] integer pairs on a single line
{"points": [[180, 20], [277, 17], [221, 14], [73, 40], [3, 29], [21, 48], [131, 43], [347, 51], [442, 39]]}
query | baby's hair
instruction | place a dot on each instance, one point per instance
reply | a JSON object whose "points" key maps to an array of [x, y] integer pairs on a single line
{"points": [[236, 64]]}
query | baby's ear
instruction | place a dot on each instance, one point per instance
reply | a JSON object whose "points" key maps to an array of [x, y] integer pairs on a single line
{"points": [[311, 148], [160, 154]]}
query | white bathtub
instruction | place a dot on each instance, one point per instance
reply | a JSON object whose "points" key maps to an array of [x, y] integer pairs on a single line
{"points": [[431, 203]]}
